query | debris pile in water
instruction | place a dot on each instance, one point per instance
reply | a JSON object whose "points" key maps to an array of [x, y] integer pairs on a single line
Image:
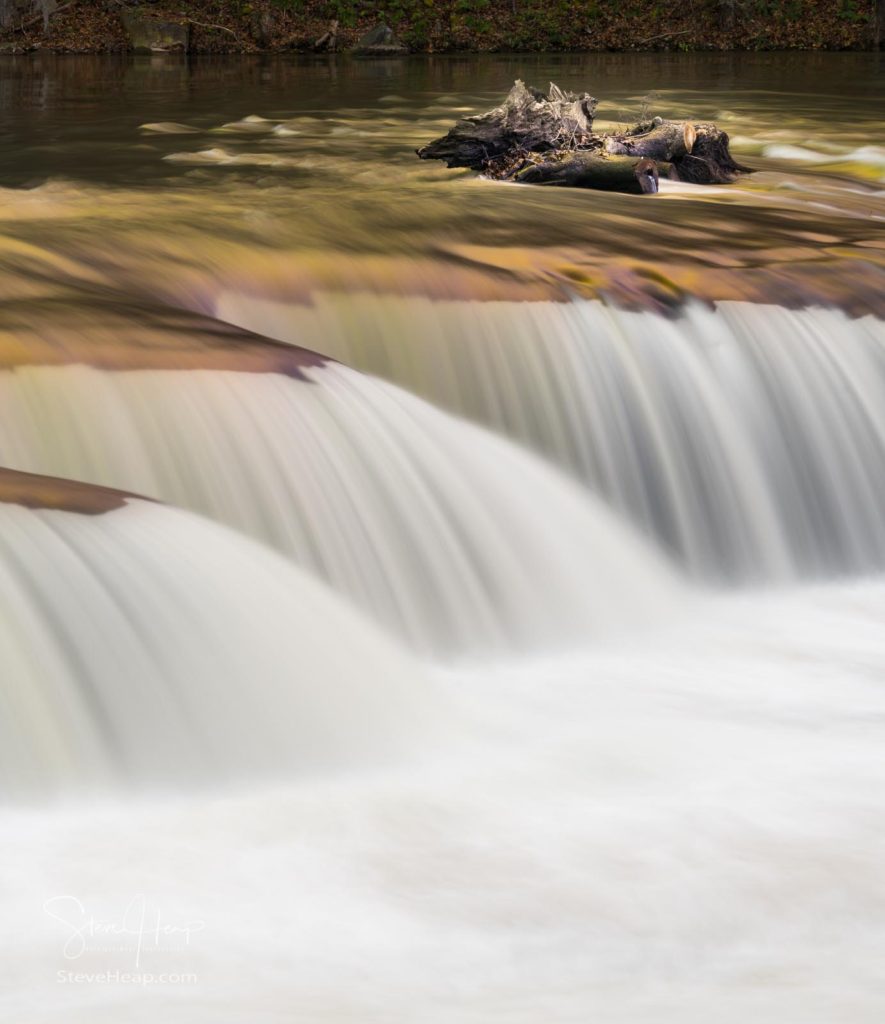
{"points": [[548, 139]]}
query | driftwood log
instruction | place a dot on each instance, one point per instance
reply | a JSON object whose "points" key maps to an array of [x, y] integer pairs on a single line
{"points": [[548, 139], [328, 41]]}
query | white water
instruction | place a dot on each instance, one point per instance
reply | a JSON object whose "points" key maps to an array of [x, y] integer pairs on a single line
{"points": [[749, 439], [680, 824], [870, 156], [455, 539], [146, 646], [673, 826], [686, 833]]}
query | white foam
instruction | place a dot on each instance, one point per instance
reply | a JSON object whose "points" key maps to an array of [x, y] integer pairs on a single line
{"points": [[687, 833], [169, 128], [872, 156], [146, 646]]}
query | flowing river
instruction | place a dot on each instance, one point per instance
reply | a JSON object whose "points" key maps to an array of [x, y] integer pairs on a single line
{"points": [[427, 599]]}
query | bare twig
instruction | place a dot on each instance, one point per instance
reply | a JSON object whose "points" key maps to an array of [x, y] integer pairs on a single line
{"points": [[663, 35], [205, 24]]}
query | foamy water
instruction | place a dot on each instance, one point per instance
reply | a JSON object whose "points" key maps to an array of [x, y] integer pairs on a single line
{"points": [[228, 792], [145, 647], [668, 834]]}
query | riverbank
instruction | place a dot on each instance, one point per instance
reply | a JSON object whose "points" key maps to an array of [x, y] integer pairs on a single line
{"points": [[440, 26]]}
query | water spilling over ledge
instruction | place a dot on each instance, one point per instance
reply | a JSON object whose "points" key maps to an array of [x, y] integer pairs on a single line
{"points": [[126, 644], [664, 825], [747, 440], [436, 528]]}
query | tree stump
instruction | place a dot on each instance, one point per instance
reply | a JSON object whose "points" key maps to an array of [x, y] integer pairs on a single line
{"points": [[548, 139]]}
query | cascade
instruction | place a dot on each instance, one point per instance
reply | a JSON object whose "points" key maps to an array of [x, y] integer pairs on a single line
{"points": [[747, 439], [142, 645], [455, 539]]}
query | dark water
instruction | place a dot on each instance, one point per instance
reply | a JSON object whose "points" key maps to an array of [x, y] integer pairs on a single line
{"points": [[324, 180], [75, 115]]}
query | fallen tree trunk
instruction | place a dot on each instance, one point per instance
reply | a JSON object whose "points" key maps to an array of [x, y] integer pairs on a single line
{"points": [[595, 170], [657, 140], [548, 139], [698, 152]]}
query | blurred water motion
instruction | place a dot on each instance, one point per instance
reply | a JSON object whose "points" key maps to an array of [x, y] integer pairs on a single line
{"points": [[643, 786], [749, 440], [422, 519], [128, 633]]}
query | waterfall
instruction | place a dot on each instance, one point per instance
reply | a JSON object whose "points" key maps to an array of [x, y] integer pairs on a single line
{"points": [[444, 600], [142, 645], [747, 439], [455, 539]]}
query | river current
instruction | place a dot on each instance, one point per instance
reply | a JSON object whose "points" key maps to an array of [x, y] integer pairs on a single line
{"points": [[429, 599]]}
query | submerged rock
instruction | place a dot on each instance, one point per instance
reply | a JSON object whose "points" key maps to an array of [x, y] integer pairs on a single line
{"points": [[48, 492]]}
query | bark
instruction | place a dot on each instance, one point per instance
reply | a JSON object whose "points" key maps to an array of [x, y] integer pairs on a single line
{"points": [[595, 170], [658, 140]]}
